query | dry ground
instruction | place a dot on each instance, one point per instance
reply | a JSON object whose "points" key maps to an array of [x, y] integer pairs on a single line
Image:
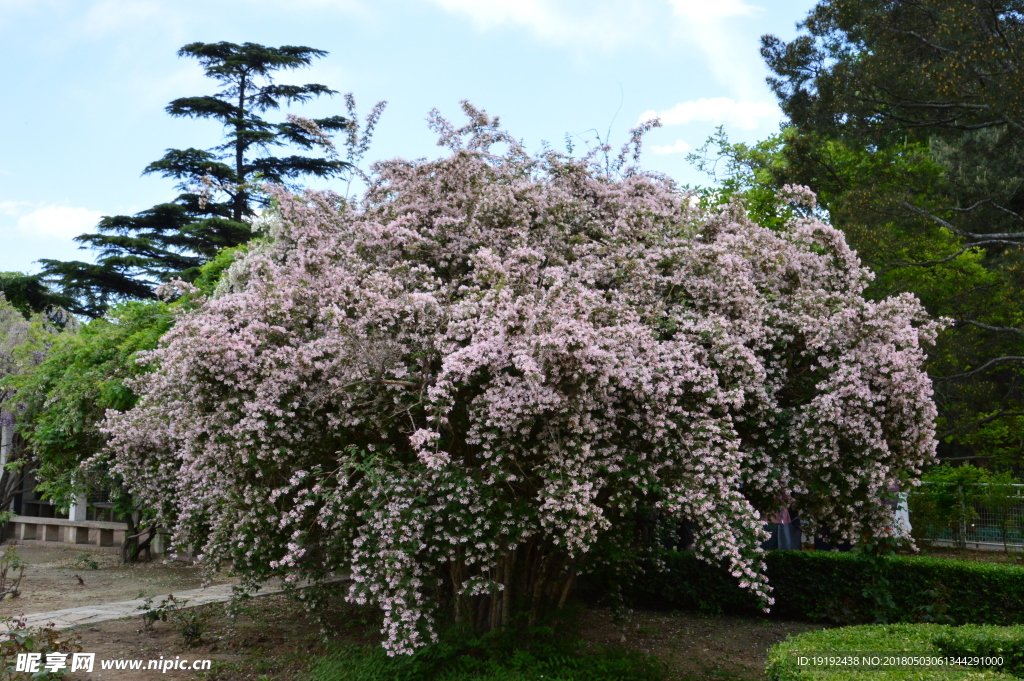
{"points": [[50, 583], [693, 646], [274, 640]]}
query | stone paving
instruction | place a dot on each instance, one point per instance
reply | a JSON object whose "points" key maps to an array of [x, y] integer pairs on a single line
{"points": [[90, 614]]}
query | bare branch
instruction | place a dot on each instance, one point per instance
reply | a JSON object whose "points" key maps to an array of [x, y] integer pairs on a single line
{"points": [[1009, 212], [929, 263], [925, 41], [983, 367], [971, 207], [953, 256], [997, 236], [931, 216], [987, 327]]}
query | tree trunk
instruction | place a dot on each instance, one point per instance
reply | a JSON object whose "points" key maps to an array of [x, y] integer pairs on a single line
{"points": [[240, 197], [134, 545], [526, 579], [8, 480], [6, 440]]}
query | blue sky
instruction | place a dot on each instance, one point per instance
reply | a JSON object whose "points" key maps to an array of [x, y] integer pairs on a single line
{"points": [[86, 81]]}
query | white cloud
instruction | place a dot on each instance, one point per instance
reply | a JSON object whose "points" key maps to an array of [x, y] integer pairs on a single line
{"points": [[679, 147], [720, 29], [12, 208], [746, 115], [731, 54], [12, 12], [703, 11], [349, 6], [327, 72], [62, 222], [113, 16], [601, 23], [153, 93]]}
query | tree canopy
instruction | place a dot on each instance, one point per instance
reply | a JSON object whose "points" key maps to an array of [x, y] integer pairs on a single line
{"points": [[886, 67], [25, 342], [29, 294], [172, 240], [907, 119]]}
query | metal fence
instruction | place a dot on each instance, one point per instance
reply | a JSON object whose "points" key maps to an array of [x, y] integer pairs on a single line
{"points": [[983, 516]]}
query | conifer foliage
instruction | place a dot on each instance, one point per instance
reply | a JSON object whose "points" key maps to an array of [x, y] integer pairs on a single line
{"points": [[498, 369], [174, 239]]}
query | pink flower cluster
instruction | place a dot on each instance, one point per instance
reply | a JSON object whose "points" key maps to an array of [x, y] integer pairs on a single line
{"points": [[498, 349]]}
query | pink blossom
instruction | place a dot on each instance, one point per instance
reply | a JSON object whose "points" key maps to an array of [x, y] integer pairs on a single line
{"points": [[500, 355]]}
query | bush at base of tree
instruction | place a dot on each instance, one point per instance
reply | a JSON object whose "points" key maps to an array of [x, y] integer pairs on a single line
{"points": [[500, 371], [825, 586]]}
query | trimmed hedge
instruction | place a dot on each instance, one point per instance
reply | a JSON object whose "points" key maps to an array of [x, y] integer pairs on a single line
{"points": [[1006, 642], [807, 583], [897, 639]]}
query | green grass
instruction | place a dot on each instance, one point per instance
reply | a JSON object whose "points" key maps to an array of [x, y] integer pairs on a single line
{"points": [[502, 656]]}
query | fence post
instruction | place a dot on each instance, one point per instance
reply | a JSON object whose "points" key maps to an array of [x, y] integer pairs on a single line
{"points": [[962, 543]]}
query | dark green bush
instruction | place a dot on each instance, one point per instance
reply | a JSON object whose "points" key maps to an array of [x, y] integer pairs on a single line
{"points": [[826, 586], [896, 639]]}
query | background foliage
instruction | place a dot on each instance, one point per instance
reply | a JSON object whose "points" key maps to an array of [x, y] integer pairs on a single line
{"points": [[906, 119]]}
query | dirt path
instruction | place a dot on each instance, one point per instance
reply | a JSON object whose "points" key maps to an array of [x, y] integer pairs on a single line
{"points": [[50, 581]]}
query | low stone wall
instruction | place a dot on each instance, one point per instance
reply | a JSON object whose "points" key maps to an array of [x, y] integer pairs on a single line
{"points": [[79, 532]]}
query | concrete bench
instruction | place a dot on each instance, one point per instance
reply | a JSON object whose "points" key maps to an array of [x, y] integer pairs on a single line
{"points": [[79, 532]]}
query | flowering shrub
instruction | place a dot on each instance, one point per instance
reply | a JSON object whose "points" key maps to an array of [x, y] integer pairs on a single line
{"points": [[469, 388]]}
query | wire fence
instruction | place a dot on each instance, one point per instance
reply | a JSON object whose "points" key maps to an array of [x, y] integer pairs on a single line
{"points": [[968, 515]]}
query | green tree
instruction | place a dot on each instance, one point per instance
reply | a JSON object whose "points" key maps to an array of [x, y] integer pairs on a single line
{"points": [[25, 342], [950, 497], [882, 68], [62, 399], [907, 118], [29, 294], [174, 239]]}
